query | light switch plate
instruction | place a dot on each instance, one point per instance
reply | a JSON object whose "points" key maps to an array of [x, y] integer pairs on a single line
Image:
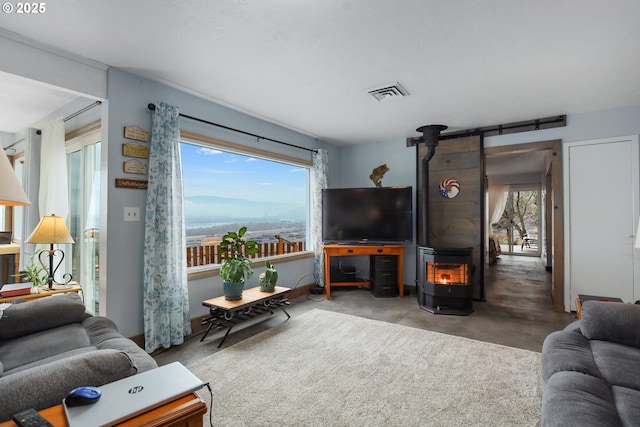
{"points": [[132, 214]]}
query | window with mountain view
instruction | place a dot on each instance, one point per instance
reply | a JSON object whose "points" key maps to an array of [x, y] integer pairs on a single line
{"points": [[225, 190]]}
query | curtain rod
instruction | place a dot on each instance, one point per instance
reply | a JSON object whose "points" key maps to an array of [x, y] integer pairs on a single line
{"points": [[77, 113], [152, 107]]}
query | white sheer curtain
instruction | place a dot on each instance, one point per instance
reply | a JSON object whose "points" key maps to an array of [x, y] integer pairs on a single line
{"points": [[53, 193], [319, 182], [53, 197], [498, 195]]}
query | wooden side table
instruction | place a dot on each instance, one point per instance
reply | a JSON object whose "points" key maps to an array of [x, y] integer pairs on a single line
{"points": [[42, 291], [188, 411]]}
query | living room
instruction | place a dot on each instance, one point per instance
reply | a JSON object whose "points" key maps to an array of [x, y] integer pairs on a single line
{"points": [[87, 71]]}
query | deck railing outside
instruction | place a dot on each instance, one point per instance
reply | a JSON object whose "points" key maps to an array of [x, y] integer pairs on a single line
{"points": [[210, 254]]}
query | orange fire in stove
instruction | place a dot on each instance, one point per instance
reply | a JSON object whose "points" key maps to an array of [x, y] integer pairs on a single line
{"points": [[448, 273]]}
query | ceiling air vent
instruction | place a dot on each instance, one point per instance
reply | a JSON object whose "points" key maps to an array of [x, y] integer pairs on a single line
{"points": [[388, 92]]}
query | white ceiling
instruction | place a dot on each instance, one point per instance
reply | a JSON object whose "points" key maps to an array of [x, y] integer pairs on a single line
{"points": [[307, 64]]}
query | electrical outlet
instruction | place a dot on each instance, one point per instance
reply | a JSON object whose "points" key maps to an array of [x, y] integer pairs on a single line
{"points": [[132, 214]]}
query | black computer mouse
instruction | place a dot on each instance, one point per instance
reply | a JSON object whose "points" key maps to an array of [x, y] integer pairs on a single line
{"points": [[82, 396]]}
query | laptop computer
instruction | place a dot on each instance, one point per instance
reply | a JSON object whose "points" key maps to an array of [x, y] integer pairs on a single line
{"points": [[131, 396]]}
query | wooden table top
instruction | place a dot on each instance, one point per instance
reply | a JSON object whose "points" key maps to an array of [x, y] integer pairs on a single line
{"points": [[249, 296], [10, 248], [42, 291]]}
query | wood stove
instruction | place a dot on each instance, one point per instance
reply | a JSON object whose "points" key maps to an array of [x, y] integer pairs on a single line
{"points": [[444, 280]]}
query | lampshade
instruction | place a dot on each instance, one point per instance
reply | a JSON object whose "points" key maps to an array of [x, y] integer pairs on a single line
{"points": [[51, 229], [11, 192]]}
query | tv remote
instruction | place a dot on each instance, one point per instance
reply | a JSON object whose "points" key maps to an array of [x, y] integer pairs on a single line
{"points": [[30, 418]]}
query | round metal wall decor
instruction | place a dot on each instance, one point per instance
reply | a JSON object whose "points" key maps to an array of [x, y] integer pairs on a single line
{"points": [[449, 188]]}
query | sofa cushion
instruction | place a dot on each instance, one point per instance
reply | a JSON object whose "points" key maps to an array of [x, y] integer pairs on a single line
{"points": [[46, 385], [52, 358], [577, 399], [573, 326], [41, 314], [33, 347], [611, 321], [628, 405], [100, 329], [618, 364], [567, 351]]}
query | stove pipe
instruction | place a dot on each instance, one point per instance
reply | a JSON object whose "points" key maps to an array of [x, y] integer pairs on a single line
{"points": [[430, 136]]}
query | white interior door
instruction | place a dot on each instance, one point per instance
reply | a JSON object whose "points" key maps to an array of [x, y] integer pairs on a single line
{"points": [[602, 215]]}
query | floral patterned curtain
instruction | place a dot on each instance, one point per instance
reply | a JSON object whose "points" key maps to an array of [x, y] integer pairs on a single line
{"points": [[319, 177], [166, 301]]}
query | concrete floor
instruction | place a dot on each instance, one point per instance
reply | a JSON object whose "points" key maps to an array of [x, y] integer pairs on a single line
{"points": [[517, 312]]}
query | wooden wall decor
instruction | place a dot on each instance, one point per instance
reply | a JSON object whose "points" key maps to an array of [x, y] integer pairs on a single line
{"points": [[138, 184], [134, 166], [135, 150], [378, 173], [458, 222], [134, 132]]}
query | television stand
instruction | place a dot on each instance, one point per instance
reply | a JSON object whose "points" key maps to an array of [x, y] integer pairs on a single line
{"points": [[332, 250]]}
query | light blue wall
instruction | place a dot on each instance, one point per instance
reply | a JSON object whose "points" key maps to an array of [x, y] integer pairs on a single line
{"points": [[357, 164], [128, 96]]}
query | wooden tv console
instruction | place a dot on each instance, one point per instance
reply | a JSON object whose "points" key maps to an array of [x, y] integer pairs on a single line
{"points": [[331, 250]]}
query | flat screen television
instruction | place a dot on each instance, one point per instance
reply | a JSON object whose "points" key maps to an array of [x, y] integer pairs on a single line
{"points": [[367, 215]]}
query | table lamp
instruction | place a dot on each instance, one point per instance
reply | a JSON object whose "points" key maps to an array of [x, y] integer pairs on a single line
{"points": [[51, 230], [11, 192]]}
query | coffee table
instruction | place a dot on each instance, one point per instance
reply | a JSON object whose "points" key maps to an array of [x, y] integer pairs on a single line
{"points": [[226, 314]]}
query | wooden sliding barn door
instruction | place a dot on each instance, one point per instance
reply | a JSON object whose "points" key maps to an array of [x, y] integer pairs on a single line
{"points": [[458, 222]]}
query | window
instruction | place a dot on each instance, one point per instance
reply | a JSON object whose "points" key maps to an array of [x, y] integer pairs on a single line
{"points": [[226, 188], [83, 164], [518, 230], [17, 212]]}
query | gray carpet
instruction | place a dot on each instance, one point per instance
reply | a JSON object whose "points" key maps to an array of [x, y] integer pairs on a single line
{"points": [[330, 369]]}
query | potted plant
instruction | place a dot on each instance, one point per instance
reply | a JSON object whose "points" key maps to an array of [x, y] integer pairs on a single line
{"points": [[34, 272], [236, 267], [269, 278]]}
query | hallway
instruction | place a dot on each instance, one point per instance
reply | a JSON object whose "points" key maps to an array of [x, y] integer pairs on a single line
{"points": [[520, 287]]}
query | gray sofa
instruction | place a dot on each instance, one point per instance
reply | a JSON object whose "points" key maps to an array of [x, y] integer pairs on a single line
{"points": [[50, 346], [591, 369]]}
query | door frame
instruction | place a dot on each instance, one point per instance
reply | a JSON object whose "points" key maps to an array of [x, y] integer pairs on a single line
{"points": [[635, 181], [555, 210]]}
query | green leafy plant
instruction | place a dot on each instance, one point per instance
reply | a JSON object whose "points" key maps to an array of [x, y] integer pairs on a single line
{"points": [[34, 272], [234, 251]]}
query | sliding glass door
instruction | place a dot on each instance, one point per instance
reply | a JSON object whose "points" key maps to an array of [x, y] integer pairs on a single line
{"points": [[518, 230], [83, 162]]}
